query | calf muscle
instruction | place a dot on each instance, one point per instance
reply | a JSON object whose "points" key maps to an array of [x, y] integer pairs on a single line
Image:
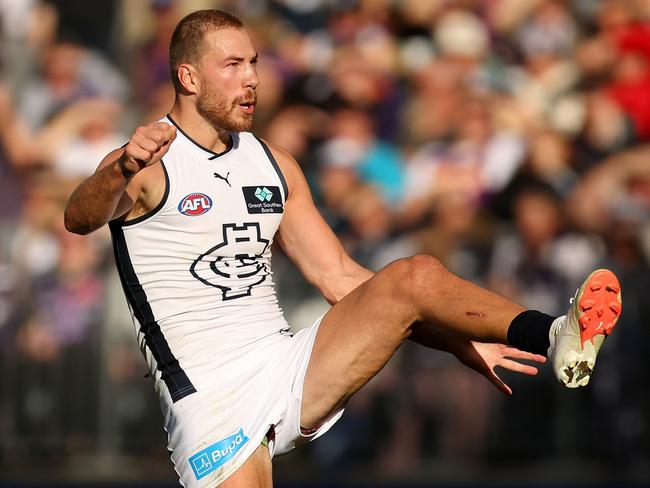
{"points": [[459, 306]]}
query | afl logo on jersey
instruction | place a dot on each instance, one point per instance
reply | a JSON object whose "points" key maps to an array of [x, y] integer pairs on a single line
{"points": [[195, 204]]}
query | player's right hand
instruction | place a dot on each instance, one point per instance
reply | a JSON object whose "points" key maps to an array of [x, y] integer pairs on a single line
{"points": [[147, 146]]}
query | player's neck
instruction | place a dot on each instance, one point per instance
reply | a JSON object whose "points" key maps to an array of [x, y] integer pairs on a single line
{"points": [[199, 129]]}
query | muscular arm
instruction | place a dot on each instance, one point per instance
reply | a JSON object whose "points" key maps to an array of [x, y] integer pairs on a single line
{"points": [[310, 243], [102, 196], [119, 181]]}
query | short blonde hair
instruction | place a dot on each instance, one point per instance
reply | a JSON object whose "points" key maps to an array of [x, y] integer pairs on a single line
{"points": [[187, 40]]}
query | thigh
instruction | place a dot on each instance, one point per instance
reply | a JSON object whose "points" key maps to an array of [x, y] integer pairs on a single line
{"points": [[256, 472], [354, 341]]}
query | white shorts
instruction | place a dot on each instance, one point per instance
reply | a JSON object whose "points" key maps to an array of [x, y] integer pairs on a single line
{"points": [[212, 433]]}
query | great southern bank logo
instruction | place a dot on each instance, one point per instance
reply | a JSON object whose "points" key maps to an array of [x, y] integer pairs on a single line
{"points": [[263, 194], [263, 199], [209, 459], [195, 204]]}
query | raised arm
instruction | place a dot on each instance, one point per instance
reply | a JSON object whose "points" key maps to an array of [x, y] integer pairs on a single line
{"points": [[120, 181]]}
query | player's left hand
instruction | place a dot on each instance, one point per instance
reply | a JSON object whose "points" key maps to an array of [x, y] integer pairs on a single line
{"points": [[484, 357]]}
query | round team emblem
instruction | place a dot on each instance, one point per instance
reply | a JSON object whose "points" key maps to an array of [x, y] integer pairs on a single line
{"points": [[195, 204]]}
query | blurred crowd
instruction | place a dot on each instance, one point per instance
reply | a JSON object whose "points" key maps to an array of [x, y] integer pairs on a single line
{"points": [[507, 138]]}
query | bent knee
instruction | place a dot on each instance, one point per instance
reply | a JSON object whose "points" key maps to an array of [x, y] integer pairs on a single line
{"points": [[424, 262], [413, 273]]}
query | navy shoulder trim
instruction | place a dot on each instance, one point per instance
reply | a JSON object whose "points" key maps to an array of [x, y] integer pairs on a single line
{"points": [[269, 154], [214, 155]]}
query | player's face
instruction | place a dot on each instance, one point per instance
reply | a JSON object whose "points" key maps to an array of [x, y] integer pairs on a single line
{"points": [[228, 73]]}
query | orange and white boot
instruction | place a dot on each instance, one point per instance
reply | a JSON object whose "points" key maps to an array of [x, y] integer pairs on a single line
{"points": [[577, 336]]}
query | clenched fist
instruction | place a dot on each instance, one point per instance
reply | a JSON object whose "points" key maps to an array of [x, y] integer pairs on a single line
{"points": [[147, 146]]}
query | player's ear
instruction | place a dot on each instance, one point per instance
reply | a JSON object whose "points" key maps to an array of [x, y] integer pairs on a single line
{"points": [[189, 78]]}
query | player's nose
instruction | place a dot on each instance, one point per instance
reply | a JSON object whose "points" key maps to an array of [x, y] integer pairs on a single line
{"points": [[251, 80]]}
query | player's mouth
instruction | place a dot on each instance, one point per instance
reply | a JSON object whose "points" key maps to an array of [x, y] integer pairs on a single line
{"points": [[248, 106]]}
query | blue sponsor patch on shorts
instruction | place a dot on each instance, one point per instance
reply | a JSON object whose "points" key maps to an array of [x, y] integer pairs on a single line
{"points": [[212, 457]]}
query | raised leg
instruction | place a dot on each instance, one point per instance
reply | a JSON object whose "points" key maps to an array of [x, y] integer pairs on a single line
{"points": [[361, 332]]}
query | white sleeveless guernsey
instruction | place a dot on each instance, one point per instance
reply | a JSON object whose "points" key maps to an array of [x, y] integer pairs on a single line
{"points": [[196, 270]]}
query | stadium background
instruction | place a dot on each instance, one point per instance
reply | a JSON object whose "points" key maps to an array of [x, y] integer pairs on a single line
{"points": [[505, 137]]}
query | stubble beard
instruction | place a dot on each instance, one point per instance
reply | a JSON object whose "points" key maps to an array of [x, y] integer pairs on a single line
{"points": [[221, 114]]}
